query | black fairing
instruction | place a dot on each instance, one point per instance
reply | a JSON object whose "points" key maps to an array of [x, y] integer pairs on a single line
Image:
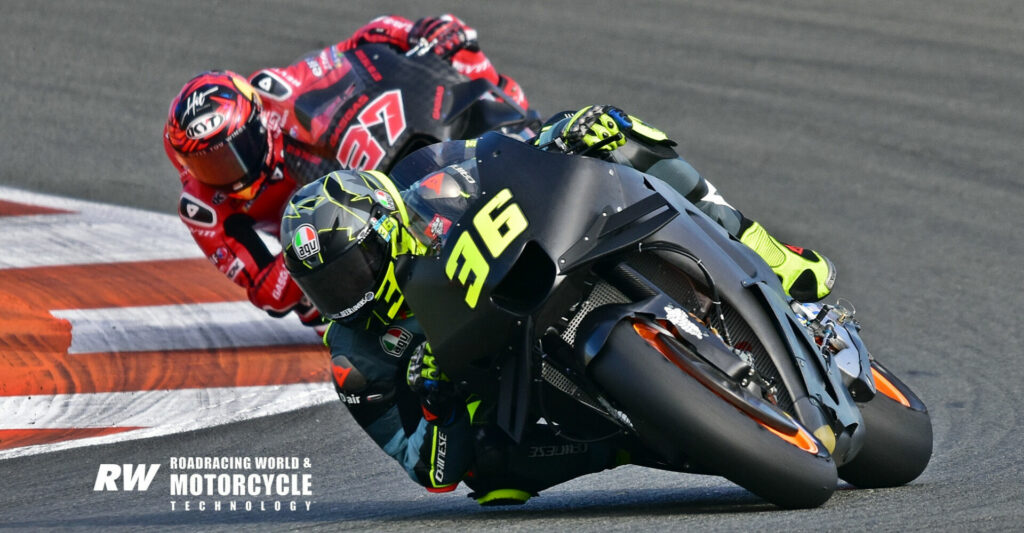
{"points": [[569, 203], [560, 197]]}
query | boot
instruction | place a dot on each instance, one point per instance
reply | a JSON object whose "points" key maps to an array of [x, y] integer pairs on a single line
{"points": [[806, 275]]}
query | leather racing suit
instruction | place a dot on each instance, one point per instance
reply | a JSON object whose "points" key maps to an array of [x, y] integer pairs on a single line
{"points": [[228, 229]]}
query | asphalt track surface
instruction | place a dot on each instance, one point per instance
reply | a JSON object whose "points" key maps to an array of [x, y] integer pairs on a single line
{"points": [[886, 133]]}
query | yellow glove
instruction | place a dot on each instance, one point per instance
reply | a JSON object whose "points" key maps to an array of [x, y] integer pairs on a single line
{"points": [[594, 124]]}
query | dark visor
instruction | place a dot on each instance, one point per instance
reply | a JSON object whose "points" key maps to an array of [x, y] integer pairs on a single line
{"points": [[346, 284], [233, 164]]}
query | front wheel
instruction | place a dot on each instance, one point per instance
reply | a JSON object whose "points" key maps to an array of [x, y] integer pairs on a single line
{"points": [[684, 420], [897, 436]]}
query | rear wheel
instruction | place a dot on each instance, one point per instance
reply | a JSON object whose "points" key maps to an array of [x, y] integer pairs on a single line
{"points": [[686, 421], [898, 436]]}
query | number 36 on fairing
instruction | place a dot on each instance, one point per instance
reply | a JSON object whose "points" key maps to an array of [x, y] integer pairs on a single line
{"points": [[497, 224]]}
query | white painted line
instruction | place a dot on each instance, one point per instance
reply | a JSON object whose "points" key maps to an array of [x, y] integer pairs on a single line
{"points": [[94, 233], [83, 242], [180, 327], [162, 412]]}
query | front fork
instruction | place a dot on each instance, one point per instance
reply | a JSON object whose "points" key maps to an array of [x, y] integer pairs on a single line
{"points": [[838, 334], [845, 362]]}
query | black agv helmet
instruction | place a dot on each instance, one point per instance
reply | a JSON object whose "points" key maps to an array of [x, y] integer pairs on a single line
{"points": [[336, 235]]}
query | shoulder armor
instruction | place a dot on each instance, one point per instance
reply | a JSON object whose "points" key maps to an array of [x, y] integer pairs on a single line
{"points": [[196, 212], [271, 85]]}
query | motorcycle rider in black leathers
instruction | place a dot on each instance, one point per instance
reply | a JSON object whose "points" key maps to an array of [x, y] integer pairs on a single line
{"points": [[342, 236]]}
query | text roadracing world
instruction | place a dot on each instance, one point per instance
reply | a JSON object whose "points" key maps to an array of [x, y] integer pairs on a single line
{"points": [[219, 491]]}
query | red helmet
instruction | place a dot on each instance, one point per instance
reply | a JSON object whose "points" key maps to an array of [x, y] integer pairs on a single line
{"points": [[215, 129]]}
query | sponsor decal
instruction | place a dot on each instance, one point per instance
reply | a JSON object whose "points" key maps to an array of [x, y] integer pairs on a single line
{"points": [[438, 101], [219, 197], [314, 66], [271, 85], [472, 70], [384, 227], [388, 20], [557, 450], [204, 126], [353, 399], [348, 116], [325, 61], [433, 182], [683, 322], [236, 266], [278, 174], [442, 451], [438, 227], [368, 65], [205, 233], [338, 57], [349, 399], [219, 255], [384, 199], [196, 212], [274, 121], [464, 173], [395, 340], [197, 100], [363, 233], [306, 242], [280, 284], [367, 298]]}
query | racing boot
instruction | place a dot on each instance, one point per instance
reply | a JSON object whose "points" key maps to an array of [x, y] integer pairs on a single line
{"points": [[806, 275], [506, 473]]}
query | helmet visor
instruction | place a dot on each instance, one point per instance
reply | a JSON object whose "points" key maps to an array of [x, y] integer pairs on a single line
{"points": [[347, 284], [233, 164]]}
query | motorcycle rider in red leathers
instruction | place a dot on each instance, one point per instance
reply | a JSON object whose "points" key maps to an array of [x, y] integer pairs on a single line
{"points": [[239, 146]]}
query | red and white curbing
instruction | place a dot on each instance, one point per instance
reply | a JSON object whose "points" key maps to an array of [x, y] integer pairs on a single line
{"points": [[58, 393]]}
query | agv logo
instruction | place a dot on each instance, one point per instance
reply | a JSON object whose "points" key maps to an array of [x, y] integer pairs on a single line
{"points": [[306, 242]]}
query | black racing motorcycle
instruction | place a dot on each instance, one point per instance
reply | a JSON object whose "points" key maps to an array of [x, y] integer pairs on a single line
{"points": [[598, 299], [387, 104]]}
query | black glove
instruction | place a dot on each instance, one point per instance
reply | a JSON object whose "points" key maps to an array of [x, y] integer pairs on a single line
{"points": [[445, 34], [436, 392]]}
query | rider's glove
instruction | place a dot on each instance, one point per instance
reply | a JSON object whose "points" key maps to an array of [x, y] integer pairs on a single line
{"points": [[436, 392], [310, 316], [592, 125], [447, 35]]}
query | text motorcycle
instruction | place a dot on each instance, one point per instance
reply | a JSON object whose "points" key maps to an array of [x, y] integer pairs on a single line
{"points": [[599, 299]]}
